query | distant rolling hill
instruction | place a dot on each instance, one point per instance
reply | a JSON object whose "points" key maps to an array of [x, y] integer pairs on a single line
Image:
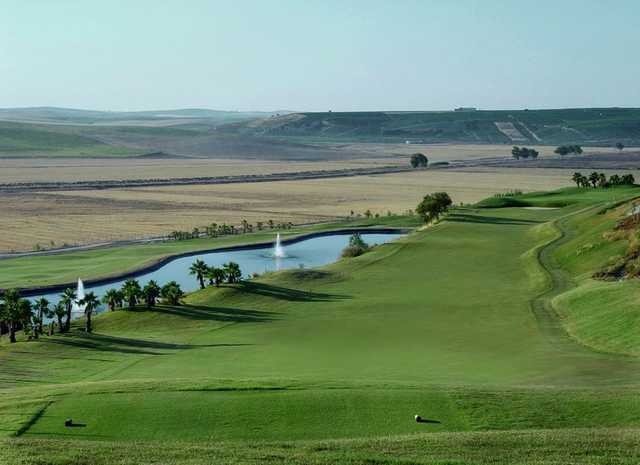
{"points": [[64, 132], [50, 131], [591, 126]]}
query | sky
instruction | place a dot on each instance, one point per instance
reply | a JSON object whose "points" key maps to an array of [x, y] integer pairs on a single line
{"points": [[304, 55]]}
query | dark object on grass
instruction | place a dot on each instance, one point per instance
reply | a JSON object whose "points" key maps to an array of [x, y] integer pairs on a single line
{"points": [[418, 418], [68, 422]]}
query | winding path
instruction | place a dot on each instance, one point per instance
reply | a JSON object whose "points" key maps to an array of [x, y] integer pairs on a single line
{"points": [[585, 359]]}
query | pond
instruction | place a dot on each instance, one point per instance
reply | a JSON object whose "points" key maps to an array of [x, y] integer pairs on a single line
{"points": [[298, 253]]}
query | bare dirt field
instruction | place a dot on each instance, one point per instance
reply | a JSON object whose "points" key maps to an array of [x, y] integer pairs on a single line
{"points": [[89, 216]]}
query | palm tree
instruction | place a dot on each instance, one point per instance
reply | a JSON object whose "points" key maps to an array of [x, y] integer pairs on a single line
{"points": [[172, 293], [594, 178], [42, 305], [577, 178], [131, 291], [232, 271], [11, 312], [199, 268], [602, 180], [60, 311], [112, 298], [26, 317], [216, 275], [90, 303], [68, 298], [150, 293]]}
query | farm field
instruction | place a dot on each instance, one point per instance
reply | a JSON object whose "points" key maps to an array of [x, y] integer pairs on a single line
{"points": [[429, 324], [14, 170], [51, 219]]}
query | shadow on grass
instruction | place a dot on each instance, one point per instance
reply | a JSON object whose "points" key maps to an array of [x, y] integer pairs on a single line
{"points": [[426, 420], [102, 342], [285, 293], [225, 314], [467, 218]]}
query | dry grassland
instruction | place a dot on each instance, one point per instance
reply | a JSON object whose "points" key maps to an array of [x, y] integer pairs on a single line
{"points": [[51, 169], [102, 215]]}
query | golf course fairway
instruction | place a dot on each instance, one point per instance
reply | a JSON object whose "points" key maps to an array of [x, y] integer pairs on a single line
{"points": [[484, 324]]}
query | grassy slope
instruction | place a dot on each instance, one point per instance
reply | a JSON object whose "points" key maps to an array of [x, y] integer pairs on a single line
{"points": [[430, 324], [600, 315], [66, 267], [20, 139], [556, 126]]}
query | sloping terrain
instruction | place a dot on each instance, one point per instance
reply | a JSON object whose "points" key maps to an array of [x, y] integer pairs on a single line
{"points": [[597, 126], [443, 323]]}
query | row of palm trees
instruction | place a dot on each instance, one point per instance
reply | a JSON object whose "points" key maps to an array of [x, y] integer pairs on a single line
{"points": [[596, 179], [229, 272], [132, 294], [216, 230], [18, 313]]}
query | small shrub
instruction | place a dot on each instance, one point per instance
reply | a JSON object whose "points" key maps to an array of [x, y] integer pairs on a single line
{"points": [[357, 246]]}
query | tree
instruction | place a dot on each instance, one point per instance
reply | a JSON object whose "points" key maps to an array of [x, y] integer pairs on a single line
{"points": [[594, 178], [562, 150], [131, 292], [10, 312], [232, 271], [90, 303], [418, 160], [199, 268], [628, 179], [357, 246], [216, 275], [515, 152], [602, 180], [433, 205], [566, 149], [172, 293], [26, 318], [620, 146], [150, 293], [615, 180], [60, 311], [42, 308], [113, 298], [577, 178], [68, 298]]}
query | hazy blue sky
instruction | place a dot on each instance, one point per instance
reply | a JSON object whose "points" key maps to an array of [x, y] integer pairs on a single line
{"points": [[319, 55]]}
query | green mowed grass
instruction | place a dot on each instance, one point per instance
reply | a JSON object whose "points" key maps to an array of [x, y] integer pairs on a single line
{"points": [[438, 323]]}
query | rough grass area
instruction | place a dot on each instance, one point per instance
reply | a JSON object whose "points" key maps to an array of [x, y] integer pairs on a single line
{"points": [[532, 447]]}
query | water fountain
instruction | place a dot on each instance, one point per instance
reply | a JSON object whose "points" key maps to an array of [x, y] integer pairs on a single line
{"points": [[278, 250], [79, 296]]}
